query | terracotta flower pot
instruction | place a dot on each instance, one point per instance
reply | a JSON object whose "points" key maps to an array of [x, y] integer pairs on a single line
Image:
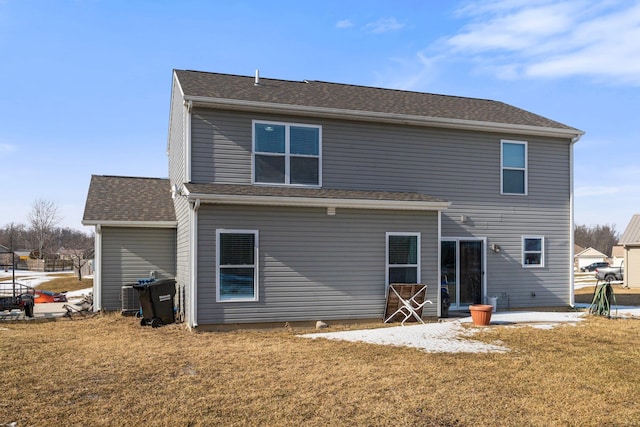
{"points": [[481, 314]]}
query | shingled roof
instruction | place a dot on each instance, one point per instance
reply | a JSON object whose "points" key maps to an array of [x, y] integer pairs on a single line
{"points": [[344, 97], [311, 197], [118, 199]]}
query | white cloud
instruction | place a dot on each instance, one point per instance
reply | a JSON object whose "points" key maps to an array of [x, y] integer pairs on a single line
{"points": [[384, 25], [522, 29], [553, 39], [416, 73], [345, 23]]}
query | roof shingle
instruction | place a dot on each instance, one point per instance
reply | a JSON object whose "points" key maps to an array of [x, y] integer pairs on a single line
{"points": [[316, 193], [358, 98], [128, 199]]}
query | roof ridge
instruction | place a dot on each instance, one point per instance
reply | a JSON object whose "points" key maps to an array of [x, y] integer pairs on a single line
{"points": [[245, 76], [129, 177], [402, 90], [311, 81]]}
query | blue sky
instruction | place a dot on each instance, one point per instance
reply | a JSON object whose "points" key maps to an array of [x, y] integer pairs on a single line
{"points": [[85, 84]]}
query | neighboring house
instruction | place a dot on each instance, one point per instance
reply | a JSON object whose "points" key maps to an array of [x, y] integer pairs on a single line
{"points": [[589, 256], [630, 241], [22, 258], [617, 255], [302, 200], [576, 250], [64, 253]]}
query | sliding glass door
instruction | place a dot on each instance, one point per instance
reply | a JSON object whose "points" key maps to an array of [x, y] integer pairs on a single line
{"points": [[462, 268]]}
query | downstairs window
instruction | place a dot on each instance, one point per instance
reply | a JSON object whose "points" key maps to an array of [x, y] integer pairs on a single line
{"points": [[403, 258], [236, 265], [532, 251]]}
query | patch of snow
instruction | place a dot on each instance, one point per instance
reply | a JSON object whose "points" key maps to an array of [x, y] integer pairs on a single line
{"points": [[538, 317], [78, 294], [443, 337], [32, 278], [451, 336]]}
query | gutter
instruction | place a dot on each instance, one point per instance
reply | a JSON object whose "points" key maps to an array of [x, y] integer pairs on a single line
{"points": [[144, 224], [372, 116], [226, 199]]}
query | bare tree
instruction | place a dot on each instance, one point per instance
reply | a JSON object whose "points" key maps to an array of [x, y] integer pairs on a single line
{"points": [[12, 236], [42, 219], [80, 247], [600, 237]]}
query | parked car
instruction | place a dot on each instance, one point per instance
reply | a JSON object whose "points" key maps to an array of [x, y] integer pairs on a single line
{"points": [[593, 266], [610, 273], [41, 296]]}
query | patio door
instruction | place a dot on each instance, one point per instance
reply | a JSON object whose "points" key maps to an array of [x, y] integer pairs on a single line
{"points": [[462, 266]]}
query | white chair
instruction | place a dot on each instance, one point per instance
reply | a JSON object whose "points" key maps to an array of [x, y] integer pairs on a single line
{"points": [[409, 306]]}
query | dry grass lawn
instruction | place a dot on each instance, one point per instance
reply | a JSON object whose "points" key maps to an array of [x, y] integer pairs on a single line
{"points": [[66, 283], [107, 371]]}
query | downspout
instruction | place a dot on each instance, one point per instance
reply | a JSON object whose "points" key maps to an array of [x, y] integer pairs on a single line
{"points": [[97, 270], [572, 288], [193, 251], [484, 279], [188, 107], [439, 269]]}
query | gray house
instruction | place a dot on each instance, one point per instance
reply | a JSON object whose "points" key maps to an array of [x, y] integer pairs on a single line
{"points": [[302, 200]]}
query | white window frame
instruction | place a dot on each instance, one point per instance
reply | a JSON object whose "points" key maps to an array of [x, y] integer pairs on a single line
{"points": [[525, 169], [287, 153], [541, 252], [419, 256], [255, 265]]}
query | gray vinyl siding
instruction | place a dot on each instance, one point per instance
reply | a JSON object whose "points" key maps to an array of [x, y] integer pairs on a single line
{"points": [[177, 175], [129, 254], [183, 256], [462, 167], [312, 266], [221, 147], [177, 166]]}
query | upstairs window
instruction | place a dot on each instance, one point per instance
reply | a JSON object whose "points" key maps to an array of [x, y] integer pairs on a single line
{"points": [[514, 167], [532, 251], [287, 154]]}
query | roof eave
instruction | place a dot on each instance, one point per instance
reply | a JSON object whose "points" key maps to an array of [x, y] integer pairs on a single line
{"points": [[407, 119], [227, 199], [131, 224], [630, 244]]}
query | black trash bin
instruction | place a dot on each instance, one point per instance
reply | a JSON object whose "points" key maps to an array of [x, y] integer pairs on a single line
{"points": [[156, 300]]}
